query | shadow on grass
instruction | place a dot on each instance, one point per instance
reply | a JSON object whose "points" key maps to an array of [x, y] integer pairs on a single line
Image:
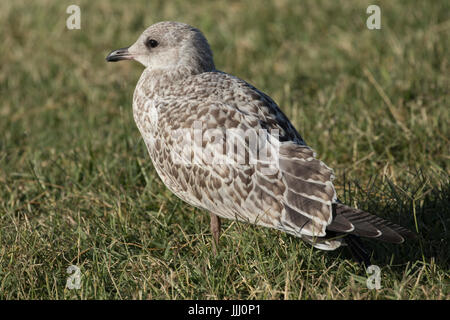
{"points": [[422, 205]]}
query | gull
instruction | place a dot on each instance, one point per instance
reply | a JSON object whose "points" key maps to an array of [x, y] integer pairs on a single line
{"points": [[222, 145]]}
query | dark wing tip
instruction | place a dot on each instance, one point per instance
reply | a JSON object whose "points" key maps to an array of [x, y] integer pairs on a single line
{"points": [[366, 225]]}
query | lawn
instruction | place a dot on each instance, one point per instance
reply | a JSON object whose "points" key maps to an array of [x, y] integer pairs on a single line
{"points": [[78, 188]]}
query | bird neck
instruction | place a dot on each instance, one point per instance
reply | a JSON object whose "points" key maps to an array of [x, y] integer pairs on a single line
{"points": [[170, 74], [160, 76], [154, 81]]}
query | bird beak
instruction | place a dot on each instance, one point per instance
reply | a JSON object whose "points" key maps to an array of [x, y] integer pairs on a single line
{"points": [[119, 54]]}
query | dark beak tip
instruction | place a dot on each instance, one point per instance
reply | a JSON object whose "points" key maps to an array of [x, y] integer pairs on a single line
{"points": [[119, 54]]}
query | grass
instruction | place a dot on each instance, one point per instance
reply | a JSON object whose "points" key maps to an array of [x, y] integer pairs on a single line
{"points": [[77, 186]]}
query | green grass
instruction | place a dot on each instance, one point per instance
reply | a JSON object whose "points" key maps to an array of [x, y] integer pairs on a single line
{"points": [[77, 186]]}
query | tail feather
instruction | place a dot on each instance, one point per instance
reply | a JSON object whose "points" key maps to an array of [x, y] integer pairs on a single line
{"points": [[341, 224], [367, 225]]}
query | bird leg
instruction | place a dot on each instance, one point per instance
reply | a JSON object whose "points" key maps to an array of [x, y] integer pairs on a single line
{"points": [[215, 230]]}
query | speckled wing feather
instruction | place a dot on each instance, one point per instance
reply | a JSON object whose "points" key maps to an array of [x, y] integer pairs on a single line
{"points": [[296, 195]]}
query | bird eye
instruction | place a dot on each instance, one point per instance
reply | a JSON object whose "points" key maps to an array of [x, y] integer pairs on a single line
{"points": [[151, 43]]}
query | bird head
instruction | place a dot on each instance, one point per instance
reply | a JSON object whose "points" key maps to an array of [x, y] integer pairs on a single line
{"points": [[168, 46]]}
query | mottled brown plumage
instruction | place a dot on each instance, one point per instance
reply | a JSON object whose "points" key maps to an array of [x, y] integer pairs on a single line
{"points": [[200, 126]]}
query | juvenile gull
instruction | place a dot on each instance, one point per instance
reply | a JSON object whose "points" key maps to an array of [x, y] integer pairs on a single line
{"points": [[187, 112]]}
